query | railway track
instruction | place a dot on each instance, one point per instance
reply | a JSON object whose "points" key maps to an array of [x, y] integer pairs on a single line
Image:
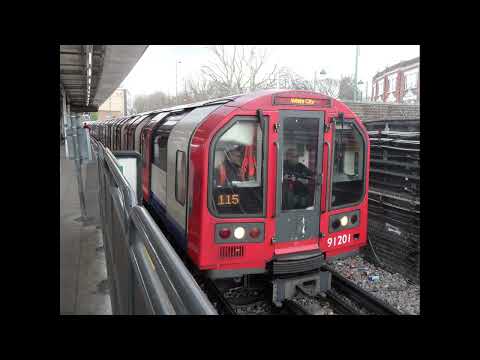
{"points": [[355, 293], [359, 302], [365, 302], [339, 305]]}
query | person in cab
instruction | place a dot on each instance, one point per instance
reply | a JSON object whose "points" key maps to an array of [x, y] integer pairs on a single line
{"points": [[229, 166], [296, 180], [293, 167]]}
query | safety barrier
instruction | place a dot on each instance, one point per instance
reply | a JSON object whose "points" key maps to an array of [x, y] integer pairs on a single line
{"points": [[145, 273]]}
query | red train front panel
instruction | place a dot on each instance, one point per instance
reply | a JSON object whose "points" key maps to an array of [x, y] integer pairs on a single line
{"points": [[309, 194]]}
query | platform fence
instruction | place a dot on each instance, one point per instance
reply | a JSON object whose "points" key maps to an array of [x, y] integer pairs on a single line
{"points": [[146, 276]]}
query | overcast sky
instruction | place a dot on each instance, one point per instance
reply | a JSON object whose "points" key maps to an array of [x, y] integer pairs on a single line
{"points": [[155, 71]]}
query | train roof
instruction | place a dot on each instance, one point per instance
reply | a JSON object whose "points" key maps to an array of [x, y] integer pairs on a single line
{"points": [[218, 101], [239, 99], [236, 100]]}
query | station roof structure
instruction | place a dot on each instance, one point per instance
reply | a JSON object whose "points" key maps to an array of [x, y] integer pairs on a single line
{"points": [[89, 74]]}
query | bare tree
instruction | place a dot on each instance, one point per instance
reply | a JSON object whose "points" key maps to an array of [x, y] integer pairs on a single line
{"points": [[238, 71], [157, 100], [200, 89], [288, 79], [329, 87], [346, 88], [139, 103]]}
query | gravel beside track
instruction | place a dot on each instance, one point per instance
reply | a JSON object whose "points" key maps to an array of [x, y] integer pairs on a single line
{"points": [[392, 288]]}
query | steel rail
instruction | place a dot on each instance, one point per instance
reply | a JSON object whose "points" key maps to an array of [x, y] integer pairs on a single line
{"points": [[340, 305], [295, 308], [359, 295]]}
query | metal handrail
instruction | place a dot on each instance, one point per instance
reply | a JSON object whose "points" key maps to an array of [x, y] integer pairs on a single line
{"points": [[151, 283], [187, 288], [167, 285]]}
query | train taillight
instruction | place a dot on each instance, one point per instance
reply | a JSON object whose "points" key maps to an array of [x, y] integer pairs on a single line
{"points": [[224, 233], [254, 232], [353, 219], [336, 224]]}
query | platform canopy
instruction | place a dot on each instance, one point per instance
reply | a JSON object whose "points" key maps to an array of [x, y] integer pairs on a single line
{"points": [[89, 74]]}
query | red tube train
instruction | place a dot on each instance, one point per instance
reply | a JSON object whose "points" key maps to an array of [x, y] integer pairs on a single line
{"points": [[269, 182]]}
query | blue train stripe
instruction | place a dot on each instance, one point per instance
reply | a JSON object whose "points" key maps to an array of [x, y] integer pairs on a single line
{"points": [[172, 226]]}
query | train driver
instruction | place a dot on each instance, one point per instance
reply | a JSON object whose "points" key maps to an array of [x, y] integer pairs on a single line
{"points": [[296, 193], [229, 166], [292, 166]]}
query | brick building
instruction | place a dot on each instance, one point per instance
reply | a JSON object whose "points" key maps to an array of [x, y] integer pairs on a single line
{"points": [[115, 105], [399, 83]]}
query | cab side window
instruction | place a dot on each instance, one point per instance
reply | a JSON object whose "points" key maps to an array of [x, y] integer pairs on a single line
{"points": [[348, 182], [236, 167]]}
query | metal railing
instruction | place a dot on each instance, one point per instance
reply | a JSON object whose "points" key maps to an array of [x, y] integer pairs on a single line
{"points": [[145, 273]]}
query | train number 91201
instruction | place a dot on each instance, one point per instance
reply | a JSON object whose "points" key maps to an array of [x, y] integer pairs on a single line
{"points": [[338, 240]]}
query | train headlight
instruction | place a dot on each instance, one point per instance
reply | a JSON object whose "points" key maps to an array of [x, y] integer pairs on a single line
{"points": [[344, 220], [239, 232]]}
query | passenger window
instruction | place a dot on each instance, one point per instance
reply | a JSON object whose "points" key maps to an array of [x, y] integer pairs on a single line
{"points": [[348, 165], [160, 151], [180, 178]]}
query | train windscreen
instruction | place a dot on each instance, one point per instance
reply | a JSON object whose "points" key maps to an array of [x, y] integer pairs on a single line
{"points": [[348, 181], [237, 169]]}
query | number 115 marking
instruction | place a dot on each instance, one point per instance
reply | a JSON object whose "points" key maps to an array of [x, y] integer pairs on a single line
{"points": [[228, 199]]}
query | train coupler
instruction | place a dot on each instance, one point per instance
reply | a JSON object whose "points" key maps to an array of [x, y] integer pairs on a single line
{"points": [[312, 284]]}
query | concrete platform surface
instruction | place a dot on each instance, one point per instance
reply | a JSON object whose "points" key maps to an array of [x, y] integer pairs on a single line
{"points": [[83, 273]]}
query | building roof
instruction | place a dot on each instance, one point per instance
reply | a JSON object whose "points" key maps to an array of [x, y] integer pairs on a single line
{"points": [[384, 111], [398, 65]]}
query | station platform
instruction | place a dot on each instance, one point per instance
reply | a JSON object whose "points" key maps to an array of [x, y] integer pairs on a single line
{"points": [[83, 273]]}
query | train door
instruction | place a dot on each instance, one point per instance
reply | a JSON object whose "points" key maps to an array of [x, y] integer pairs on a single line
{"points": [[299, 164]]}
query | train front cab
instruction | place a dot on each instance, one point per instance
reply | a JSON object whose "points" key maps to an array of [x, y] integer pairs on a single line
{"points": [[301, 197]]}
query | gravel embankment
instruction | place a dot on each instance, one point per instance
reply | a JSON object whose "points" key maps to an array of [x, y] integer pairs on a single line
{"points": [[392, 288]]}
